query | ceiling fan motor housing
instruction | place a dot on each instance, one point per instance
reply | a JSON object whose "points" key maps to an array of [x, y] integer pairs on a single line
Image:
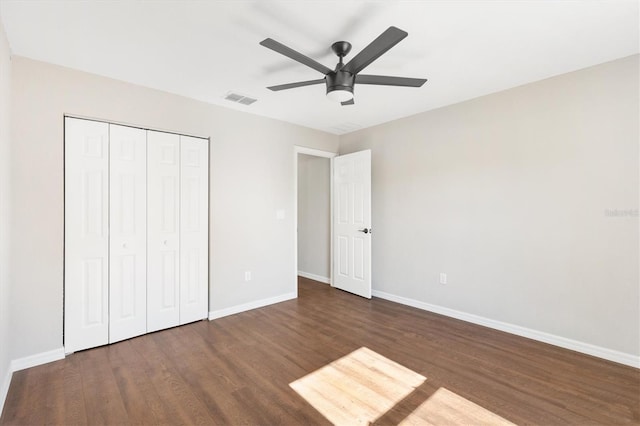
{"points": [[340, 80]]}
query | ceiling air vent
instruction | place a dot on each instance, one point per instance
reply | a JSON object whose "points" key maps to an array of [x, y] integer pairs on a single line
{"points": [[345, 127], [240, 99]]}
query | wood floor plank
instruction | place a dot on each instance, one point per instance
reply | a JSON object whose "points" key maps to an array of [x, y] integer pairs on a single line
{"points": [[74, 409], [141, 401], [242, 369], [206, 374], [102, 397], [22, 395], [53, 382], [173, 390]]}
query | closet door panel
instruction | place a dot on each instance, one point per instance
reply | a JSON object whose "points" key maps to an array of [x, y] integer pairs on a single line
{"points": [[163, 230], [194, 230], [86, 240], [127, 233]]}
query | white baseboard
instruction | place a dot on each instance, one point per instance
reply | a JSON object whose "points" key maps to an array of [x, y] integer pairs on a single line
{"points": [[249, 306], [574, 345], [314, 277], [37, 359], [4, 390], [27, 362]]}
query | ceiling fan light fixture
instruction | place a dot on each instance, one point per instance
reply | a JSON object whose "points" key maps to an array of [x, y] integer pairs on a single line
{"points": [[339, 86], [340, 94], [341, 80]]}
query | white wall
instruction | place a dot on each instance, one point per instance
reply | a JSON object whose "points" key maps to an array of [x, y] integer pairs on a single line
{"points": [[251, 178], [508, 194], [5, 168], [314, 220]]}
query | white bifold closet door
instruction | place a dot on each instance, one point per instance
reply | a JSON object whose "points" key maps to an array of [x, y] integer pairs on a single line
{"points": [[177, 241], [163, 227], [127, 233], [86, 248], [136, 232], [194, 230]]}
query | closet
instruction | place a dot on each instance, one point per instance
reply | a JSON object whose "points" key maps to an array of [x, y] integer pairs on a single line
{"points": [[136, 232]]}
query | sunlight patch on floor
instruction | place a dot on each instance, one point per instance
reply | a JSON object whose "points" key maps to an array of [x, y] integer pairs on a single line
{"points": [[448, 408], [357, 388]]}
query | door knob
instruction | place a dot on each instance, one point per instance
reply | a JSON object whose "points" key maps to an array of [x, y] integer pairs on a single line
{"points": [[365, 230]]}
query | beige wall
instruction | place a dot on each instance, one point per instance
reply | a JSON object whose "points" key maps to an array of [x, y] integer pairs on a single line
{"points": [[5, 167], [314, 219], [251, 178], [508, 194]]}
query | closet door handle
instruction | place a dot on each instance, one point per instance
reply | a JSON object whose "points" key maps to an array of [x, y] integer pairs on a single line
{"points": [[365, 230]]}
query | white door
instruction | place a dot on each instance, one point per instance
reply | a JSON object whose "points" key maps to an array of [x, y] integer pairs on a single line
{"points": [[163, 230], [127, 233], [194, 229], [352, 223], [86, 234]]}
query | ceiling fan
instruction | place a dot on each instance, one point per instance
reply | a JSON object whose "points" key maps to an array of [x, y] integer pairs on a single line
{"points": [[341, 80]]}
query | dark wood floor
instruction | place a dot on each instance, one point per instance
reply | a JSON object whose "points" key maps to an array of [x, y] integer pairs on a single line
{"points": [[237, 370]]}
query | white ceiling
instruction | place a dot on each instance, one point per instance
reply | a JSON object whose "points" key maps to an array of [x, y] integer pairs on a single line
{"points": [[204, 49]]}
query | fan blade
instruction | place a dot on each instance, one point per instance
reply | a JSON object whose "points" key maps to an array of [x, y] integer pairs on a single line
{"points": [[349, 102], [385, 80], [375, 49], [296, 56], [294, 85]]}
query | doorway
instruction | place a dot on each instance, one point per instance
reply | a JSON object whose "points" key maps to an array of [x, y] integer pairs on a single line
{"points": [[313, 214]]}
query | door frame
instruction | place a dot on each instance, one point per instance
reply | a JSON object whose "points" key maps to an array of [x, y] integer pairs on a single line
{"points": [[316, 153]]}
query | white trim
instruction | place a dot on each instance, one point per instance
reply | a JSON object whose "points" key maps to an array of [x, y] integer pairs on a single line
{"points": [[37, 359], [331, 221], [122, 123], [314, 277], [4, 390], [317, 153], [563, 342], [251, 305], [27, 362]]}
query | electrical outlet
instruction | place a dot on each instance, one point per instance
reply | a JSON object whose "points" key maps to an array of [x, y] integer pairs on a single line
{"points": [[443, 278], [247, 275]]}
